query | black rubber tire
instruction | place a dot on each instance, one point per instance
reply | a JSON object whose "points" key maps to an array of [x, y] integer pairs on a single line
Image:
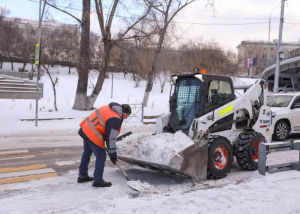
{"points": [[246, 150], [281, 130], [215, 144]]}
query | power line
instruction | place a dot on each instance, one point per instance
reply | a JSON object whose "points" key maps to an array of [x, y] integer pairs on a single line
{"points": [[194, 23], [179, 15]]}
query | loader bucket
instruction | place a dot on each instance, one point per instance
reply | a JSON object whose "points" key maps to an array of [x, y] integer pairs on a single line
{"points": [[192, 161]]}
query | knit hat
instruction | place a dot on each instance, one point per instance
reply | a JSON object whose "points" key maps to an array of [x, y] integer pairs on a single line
{"points": [[126, 109]]}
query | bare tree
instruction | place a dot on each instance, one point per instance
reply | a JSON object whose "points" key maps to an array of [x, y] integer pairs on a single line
{"points": [[166, 65], [11, 37], [80, 102], [27, 45], [83, 58], [208, 56], [69, 45], [164, 12], [3, 13], [109, 42], [132, 59], [54, 82]]}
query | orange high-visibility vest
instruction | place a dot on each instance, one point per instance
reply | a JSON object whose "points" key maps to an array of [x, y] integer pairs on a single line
{"points": [[94, 125]]}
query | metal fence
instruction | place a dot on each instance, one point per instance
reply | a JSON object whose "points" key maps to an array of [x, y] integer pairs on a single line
{"points": [[137, 113], [289, 55], [12, 73]]}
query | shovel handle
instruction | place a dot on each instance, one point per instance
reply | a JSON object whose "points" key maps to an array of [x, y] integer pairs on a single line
{"points": [[120, 168], [124, 173]]}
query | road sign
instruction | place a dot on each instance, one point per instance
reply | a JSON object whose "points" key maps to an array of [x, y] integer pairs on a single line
{"points": [[249, 62], [255, 62], [37, 53]]}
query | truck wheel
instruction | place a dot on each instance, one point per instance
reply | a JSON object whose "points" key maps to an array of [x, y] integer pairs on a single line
{"points": [[220, 157], [281, 131], [246, 150]]}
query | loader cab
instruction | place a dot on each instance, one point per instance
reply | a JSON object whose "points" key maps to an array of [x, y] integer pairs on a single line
{"points": [[192, 97]]}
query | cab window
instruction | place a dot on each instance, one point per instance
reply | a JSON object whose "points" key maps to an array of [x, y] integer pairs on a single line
{"points": [[221, 88]]}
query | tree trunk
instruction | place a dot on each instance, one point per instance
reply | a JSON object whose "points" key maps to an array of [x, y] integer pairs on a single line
{"points": [[80, 102], [53, 86], [163, 86], [24, 65], [150, 78], [103, 72]]}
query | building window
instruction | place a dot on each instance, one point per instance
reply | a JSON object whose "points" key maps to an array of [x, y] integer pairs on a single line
{"points": [[263, 56], [265, 49], [271, 50]]}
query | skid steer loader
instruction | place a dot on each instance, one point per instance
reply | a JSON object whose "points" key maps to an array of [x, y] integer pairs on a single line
{"points": [[221, 126]]}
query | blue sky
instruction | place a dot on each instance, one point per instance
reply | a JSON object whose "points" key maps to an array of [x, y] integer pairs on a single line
{"points": [[228, 24], [29, 9]]}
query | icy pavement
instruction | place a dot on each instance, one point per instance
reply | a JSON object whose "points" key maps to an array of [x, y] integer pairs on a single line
{"points": [[253, 193]]}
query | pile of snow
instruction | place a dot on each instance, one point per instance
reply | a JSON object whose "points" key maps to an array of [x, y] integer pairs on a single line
{"points": [[154, 148], [141, 187]]}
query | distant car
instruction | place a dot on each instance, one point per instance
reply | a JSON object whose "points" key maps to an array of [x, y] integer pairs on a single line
{"points": [[285, 114], [285, 88]]}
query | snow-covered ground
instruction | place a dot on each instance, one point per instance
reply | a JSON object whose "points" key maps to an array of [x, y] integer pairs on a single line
{"points": [[239, 192]]}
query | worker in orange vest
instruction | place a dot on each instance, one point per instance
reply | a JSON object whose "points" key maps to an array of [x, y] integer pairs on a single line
{"points": [[103, 125]]}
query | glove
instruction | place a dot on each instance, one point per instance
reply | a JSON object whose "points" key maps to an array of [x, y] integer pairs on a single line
{"points": [[114, 160], [113, 157]]}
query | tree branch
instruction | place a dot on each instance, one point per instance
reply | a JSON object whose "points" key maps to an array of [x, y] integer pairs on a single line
{"points": [[140, 19], [63, 11], [99, 11], [111, 15]]}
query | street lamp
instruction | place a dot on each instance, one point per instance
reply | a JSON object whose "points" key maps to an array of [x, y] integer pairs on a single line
{"points": [[268, 53]]}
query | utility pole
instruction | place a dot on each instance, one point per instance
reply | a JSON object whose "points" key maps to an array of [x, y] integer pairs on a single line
{"points": [[268, 51], [37, 59], [276, 78]]}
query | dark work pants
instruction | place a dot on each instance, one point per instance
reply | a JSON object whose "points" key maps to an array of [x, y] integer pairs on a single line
{"points": [[88, 149]]}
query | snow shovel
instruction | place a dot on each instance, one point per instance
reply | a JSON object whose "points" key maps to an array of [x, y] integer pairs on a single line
{"points": [[134, 185], [123, 172]]}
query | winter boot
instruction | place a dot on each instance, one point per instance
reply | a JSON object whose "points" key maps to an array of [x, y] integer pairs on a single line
{"points": [[86, 179], [102, 183]]}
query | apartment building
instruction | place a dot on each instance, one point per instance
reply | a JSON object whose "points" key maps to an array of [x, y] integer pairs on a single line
{"points": [[259, 49]]}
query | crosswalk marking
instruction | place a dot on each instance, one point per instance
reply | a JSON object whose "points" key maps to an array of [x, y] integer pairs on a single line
{"points": [[23, 168], [25, 173], [22, 173], [17, 158], [13, 152], [26, 178]]}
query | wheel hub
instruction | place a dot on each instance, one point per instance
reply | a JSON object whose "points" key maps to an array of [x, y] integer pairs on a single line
{"points": [[281, 131], [254, 151], [220, 157]]}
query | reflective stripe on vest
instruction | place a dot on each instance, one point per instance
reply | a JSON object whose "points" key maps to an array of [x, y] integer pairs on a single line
{"points": [[93, 127], [100, 118]]}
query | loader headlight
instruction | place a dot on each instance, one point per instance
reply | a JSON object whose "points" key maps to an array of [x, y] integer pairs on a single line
{"points": [[174, 78]]}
